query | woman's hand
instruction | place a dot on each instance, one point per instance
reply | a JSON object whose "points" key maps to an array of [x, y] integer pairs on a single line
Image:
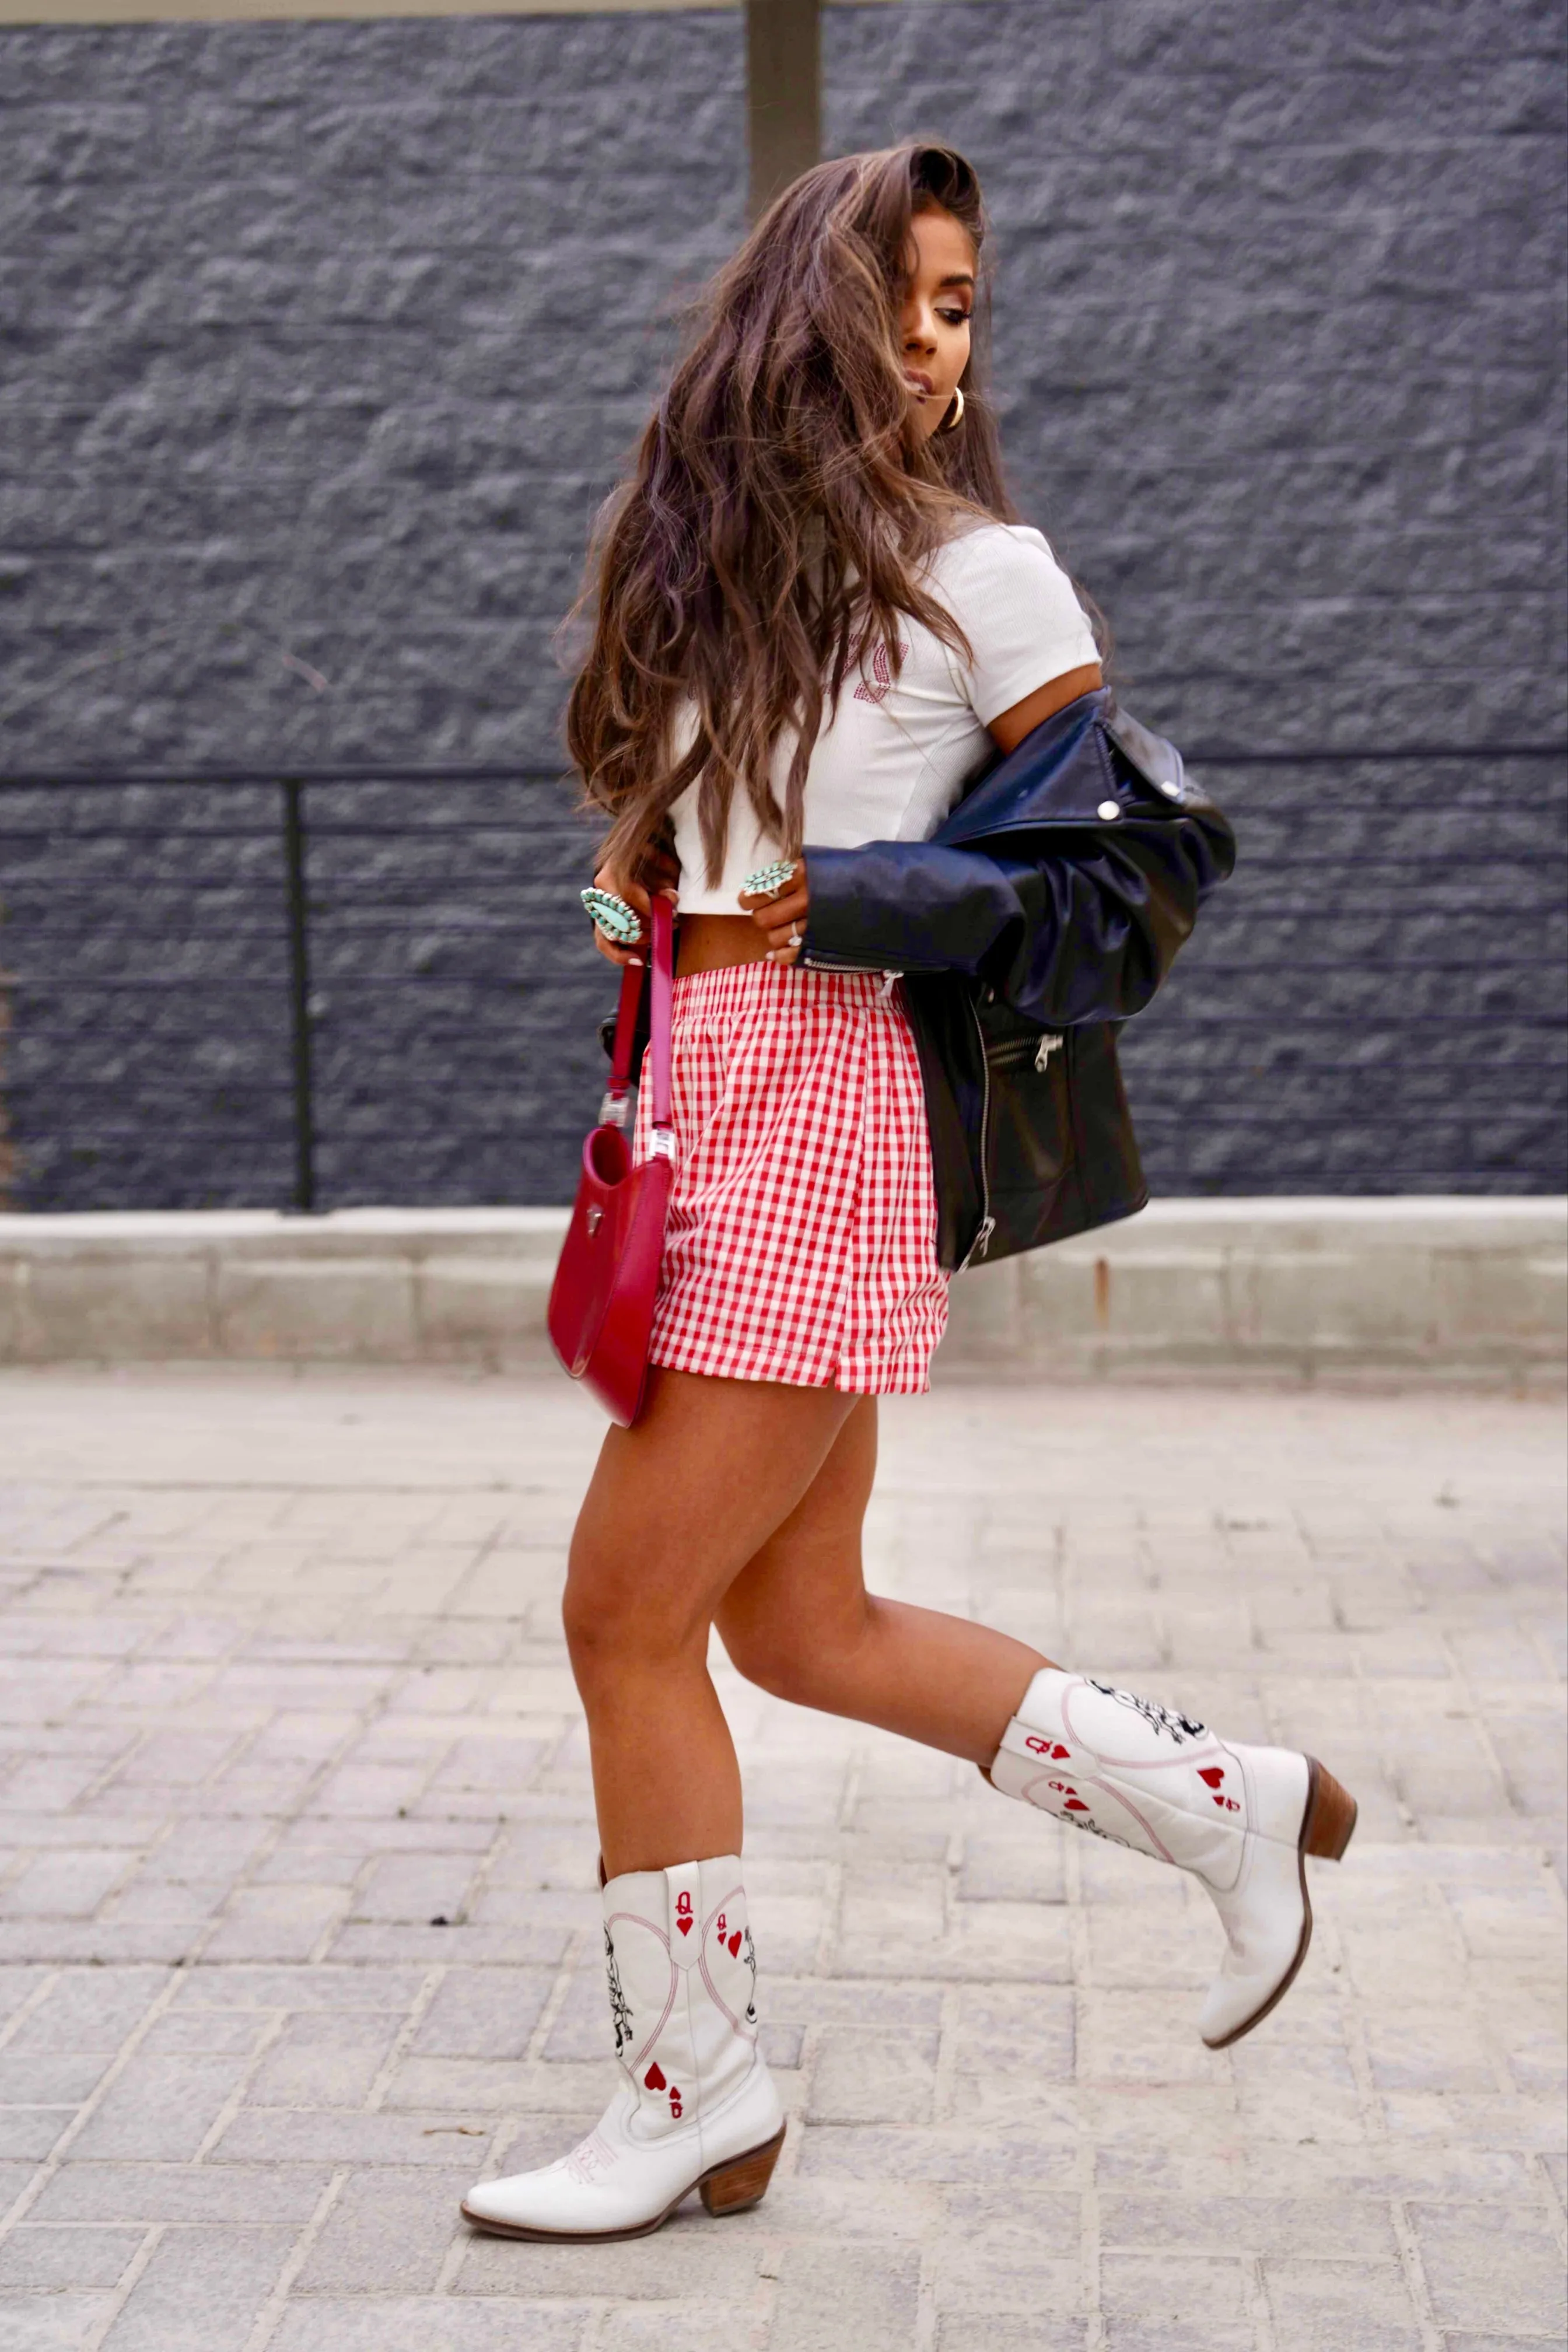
{"points": [[777, 916], [664, 877]]}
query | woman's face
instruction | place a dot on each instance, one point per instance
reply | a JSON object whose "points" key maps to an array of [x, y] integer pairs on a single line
{"points": [[933, 319]]}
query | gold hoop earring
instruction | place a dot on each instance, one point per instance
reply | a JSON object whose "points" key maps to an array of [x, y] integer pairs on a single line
{"points": [[954, 417]]}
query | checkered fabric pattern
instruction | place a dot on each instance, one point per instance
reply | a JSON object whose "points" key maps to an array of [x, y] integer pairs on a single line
{"points": [[800, 1245]]}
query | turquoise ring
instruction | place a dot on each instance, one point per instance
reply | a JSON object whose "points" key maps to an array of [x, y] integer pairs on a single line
{"points": [[621, 924], [768, 880]]}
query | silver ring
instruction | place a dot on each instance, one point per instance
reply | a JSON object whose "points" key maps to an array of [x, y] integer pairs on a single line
{"points": [[795, 935]]}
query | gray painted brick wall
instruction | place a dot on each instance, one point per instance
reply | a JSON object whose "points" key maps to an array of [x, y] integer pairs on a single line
{"points": [[326, 338]]}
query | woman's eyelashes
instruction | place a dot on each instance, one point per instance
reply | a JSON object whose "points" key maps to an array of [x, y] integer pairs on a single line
{"points": [[954, 317]]}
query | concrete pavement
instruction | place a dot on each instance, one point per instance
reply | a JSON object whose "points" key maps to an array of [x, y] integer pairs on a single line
{"points": [[297, 1932]]}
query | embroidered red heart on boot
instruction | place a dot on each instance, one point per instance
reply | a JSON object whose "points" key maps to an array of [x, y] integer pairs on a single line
{"points": [[684, 1926], [655, 2078], [1212, 1773], [1076, 1805], [734, 1943]]}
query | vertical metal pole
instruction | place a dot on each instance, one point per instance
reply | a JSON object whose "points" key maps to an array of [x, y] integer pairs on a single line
{"points": [[783, 93], [304, 1199]]}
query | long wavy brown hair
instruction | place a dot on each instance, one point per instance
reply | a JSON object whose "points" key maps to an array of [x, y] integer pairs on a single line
{"points": [[779, 513]]}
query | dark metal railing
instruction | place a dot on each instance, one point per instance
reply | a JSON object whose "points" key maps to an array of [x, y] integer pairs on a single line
{"points": [[61, 850], [295, 887], [300, 992]]}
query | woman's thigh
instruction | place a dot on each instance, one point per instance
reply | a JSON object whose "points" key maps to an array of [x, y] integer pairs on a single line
{"points": [[802, 1594], [680, 1502]]}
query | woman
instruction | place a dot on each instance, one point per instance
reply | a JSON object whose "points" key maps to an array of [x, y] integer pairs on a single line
{"points": [[816, 625]]}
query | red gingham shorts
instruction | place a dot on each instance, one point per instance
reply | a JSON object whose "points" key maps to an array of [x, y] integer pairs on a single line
{"points": [[801, 1245]]}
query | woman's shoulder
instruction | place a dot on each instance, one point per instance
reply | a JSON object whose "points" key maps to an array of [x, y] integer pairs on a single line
{"points": [[984, 551], [1020, 612], [1005, 574]]}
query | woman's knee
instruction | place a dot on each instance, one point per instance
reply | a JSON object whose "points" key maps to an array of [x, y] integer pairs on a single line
{"points": [[780, 1670], [617, 1615], [807, 1664]]}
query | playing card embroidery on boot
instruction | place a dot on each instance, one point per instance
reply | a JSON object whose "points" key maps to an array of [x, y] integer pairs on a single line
{"points": [[656, 2080], [1162, 1720], [620, 2014], [697, 2107], [730, 1965], [1241, 1819]]}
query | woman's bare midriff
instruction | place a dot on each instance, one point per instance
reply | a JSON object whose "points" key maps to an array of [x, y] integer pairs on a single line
{"points": [[710, 942]]}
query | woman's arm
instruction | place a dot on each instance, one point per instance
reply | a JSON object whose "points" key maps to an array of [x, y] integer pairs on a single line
{"points": [[1073, 910], [777, 916], [1008, 729]]}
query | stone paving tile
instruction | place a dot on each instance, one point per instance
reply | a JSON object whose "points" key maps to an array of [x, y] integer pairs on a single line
{"points": [[202, 2291], [259, 1733], [833, 2296], [682, 2328], [1464, 2342], [1316, 2305], [426, 2324], [47, 2258], [1488, 2269], [388, 2232], [52, 2322], [984, 2331], [160, 2109]]}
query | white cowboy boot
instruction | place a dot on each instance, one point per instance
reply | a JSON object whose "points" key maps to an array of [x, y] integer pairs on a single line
{"points": [[1242, 1820], [698, 2108]]}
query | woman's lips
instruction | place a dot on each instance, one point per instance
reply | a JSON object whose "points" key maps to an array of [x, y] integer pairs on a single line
{"points": [[917, 383]]}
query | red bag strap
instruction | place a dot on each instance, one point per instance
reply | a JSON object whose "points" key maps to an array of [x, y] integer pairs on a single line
{"points": [[663, 961]]}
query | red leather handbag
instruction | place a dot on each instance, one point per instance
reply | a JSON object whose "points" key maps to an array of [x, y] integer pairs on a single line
{"points": [[602, 1299]]}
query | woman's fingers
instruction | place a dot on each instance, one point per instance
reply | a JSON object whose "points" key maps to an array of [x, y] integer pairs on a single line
{"points": [[637, 897], [777, 917], [632, 892], [789, 906]]}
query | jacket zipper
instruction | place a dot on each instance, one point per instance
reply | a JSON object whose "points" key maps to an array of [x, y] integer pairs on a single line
{"points": [[979, 1245], [814, 959]]}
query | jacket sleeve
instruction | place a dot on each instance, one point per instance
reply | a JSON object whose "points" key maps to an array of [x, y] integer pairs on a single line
{"points": [[1067, 924]]}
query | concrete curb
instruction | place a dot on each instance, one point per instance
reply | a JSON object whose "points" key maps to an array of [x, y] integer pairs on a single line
{"points": [[1448, 1287]]}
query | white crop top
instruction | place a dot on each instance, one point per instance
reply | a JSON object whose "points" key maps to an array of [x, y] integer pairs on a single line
{"points": [[896, 755]]}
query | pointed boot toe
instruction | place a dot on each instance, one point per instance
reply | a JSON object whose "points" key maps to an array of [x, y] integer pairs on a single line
{"points": [[696, 2108], [1241, 1819], [1268, 1914], [615, 2184]]}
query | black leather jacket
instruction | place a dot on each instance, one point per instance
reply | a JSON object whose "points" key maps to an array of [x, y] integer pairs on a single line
{"points": [[1046, 910]]}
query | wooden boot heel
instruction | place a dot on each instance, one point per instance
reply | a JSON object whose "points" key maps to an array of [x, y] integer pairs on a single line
{"points": [[743, 2181], [1331, 1815]]}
